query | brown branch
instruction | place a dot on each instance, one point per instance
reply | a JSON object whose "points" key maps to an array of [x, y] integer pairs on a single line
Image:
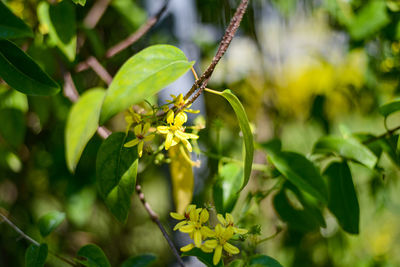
{"points": [[230, 31], [156, 220], [99, 69], [95, 13], [69, 89]]}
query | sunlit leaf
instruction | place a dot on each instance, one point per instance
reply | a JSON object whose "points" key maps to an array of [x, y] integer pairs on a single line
{"points": [[226, 187], [10, 98], [343, 201], [11, 26], [236, 263], [389, 108], [116, 170], [59, 19], [80, 2], [182, 177], [142, 76], [49, 222], [93, 256], [206, 258], [22, 73], [140, 261], [263, 261], [13, 127], [301, 172], [82, 124], [346, 148], [35, 256]]}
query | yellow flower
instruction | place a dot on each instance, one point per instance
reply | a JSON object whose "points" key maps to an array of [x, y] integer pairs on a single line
{"points": [[229, 223], [183, 218], [179, 102], [131, 117], [175, 132], [219, 243], [142, 136], [195, 228]]}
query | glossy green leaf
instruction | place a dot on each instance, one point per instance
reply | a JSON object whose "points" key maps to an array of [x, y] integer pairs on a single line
{"points": [[142, 76], [10, 98], [22, 73], [343, 202], [140, 261], [11, 26], [49, 222], [227, 186], [301, 172], [206, 258], [296, 211], [60, 21], [263, 261], [93, 256], [246, 131], [236, 263], [35, 256], [389, 108], [13, 127], [116, 169], [82, 124], [80, 2], [346, 148]]}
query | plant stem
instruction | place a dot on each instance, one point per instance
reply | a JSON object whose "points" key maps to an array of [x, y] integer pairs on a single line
{"points": [[386, 134]]}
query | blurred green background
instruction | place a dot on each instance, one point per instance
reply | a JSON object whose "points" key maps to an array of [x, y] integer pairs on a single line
{"points": [[302, 69]]}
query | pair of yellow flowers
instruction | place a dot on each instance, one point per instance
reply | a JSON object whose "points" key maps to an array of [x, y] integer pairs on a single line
{"points": [[193, 223]]}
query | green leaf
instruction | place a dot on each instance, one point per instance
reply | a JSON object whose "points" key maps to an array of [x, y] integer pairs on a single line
{"points": [[142, 76], [227, 186], [343, 201], [13, 127], [296, 211], [80, 2], [246, 131], [93, 256], [237, 263], [143, 260], [35, 256], [130, 12], [206, 258], [301, 172], [60, 20], [10, 98], [22, 73], [116, 170], [50, 221], [82, 124], [346, 148], [372, 17], [389, 108], [263, 261], [11, 26]]}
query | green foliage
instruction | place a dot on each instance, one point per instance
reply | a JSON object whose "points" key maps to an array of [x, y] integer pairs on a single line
{"points": [[13, 126], [343, 202], [143, 75], [116, 170], [60, 22], [226, 187], [93, 256], [389, 108], [11, 26], [49, 222], [35, 256], [80, 2], [263, 261], [13, 99], [82, 124], [140, 261], [22, 73], [206, 258]]}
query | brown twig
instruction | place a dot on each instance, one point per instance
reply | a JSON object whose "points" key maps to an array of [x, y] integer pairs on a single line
{"points": [[99, 69], [95, 13], [386, 134], [230, 31], [154, 217]]}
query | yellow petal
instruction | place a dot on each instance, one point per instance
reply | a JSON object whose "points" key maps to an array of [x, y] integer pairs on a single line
{"points": [[197, 238], [179, 225], [229, 218], [146, 127], [231, 249], [170, 116], [181, 135], [176, 216], [168, 140], [132, 143], [187, 228], [180, 119], [190, 207], [148, 138], [227, 233], [175, 141], [192, 136], [187, 248], [221, 219], [194, 215], [187, 145], [239, 231], [206, 250], [138, 129], [217, 254], [207, 232], [163, 129], [204, 216], [219, 229], [140, 148], [211, 244]]}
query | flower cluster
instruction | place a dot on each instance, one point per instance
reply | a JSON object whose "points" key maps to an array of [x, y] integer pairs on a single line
{"points": [[194, 222], [146, 124]]}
